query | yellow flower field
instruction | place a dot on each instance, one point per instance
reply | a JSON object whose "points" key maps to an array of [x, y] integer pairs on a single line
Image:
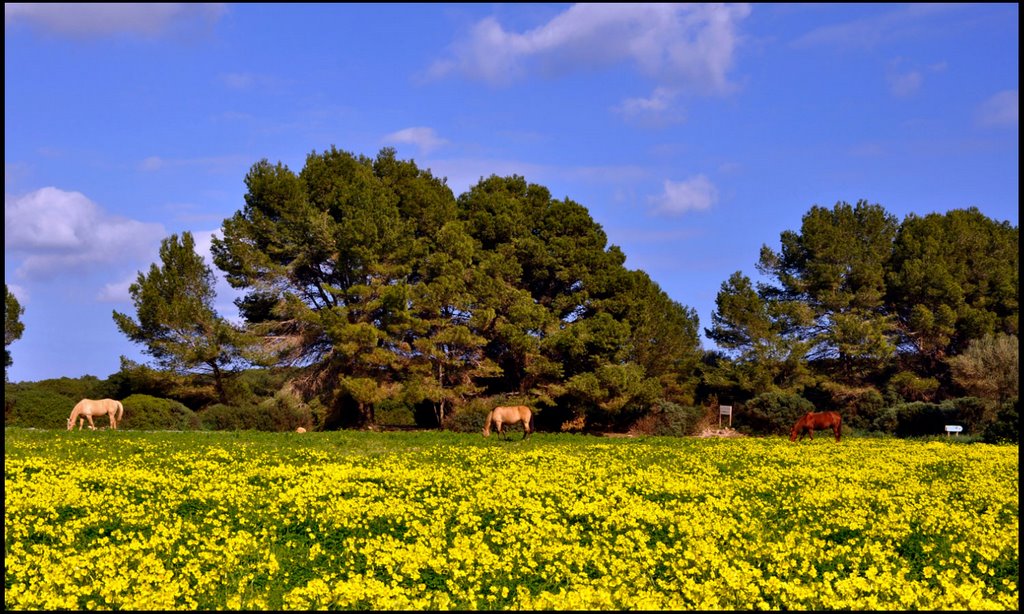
{"points": [[121, 520]]}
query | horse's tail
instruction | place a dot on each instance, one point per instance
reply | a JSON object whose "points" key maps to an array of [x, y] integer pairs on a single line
{"points": [[530, 418], [120, 410]]}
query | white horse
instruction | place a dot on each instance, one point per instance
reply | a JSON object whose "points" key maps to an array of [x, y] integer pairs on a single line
{"points": [[87, 408]]}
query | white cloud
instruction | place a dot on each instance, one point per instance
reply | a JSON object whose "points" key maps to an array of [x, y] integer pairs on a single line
{"points": [[424, 138], [243, 81], [19, 293], [999, 110], [694, 194], [905, 84], [897, 24], [239, 81], [117, 292], [105, 19], [659, 101], [56, 232], [213, 164], [152, 163], [679, 44], [657, 109]]}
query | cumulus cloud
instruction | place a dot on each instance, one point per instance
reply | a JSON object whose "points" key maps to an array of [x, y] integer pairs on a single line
{"points": [[999, 110], [688, 45], [105, 19], [53, 231], [423, 138], [694, 194]]}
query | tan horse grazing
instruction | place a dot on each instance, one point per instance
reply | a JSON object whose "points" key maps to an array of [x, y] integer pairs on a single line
{"points": [[820, 420], [87, 408], [501, 416]]}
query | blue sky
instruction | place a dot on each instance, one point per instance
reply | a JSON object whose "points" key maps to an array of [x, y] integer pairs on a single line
{"points": [[694, 134]]}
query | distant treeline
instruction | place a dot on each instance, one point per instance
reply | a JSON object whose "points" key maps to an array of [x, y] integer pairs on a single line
{"points": [[374, 295]]}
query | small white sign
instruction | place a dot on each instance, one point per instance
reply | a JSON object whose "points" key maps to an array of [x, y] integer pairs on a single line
{"points": [[725, 410], [954, 428]]}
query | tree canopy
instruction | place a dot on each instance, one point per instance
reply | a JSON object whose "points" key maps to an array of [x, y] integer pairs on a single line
{"points": [[376, 286], [13, 327], [176, 320], [870, 296], [376, 279]]}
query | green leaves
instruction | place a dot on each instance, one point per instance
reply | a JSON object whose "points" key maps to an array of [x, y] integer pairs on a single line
{"points": [[954, 278], [176, 320], [13, 328], [372, 270], [856, 292]]}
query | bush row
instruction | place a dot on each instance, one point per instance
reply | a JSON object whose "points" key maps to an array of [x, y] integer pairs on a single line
{"points": [[767, 414]]}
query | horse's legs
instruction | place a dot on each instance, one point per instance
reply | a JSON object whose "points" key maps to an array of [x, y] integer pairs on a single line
{"points": [[810, 434], [91, 424], [837, 428]]}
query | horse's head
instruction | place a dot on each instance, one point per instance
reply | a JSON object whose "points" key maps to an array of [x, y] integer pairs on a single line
{"points": [[793, 434], [487, 430], [71, 423]]}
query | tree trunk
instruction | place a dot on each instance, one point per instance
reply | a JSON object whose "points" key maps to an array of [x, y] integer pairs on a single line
{"points": [[218, 382]]}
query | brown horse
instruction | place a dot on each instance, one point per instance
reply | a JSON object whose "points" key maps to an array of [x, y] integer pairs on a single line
{"points": [[87, 408], [501, 416], [816, 420]]}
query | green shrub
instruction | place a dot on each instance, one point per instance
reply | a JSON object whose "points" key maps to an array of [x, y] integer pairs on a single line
{"points": [[921, 419], [76, 389], [37, 407], [220, 417], [862, 411], [669, 419], [910, 387], [469, 418], [1006, 426], [393, 412], [772, 413], [250, 386], [283, 412], [886, 420], [970, 412], [143, 412]]}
